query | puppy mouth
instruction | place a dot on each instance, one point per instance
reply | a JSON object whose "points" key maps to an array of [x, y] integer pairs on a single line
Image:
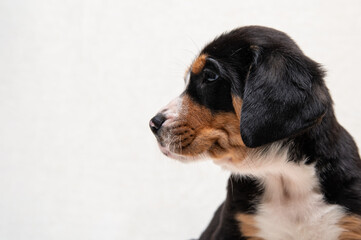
{"points": [[177, 142], [166, 151]]}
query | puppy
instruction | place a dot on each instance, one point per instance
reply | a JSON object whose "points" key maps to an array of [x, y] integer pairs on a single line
{"points": [[257, 106]]}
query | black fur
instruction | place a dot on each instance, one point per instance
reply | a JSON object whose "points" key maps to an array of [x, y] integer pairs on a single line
{"points": [[284, 98], [215, 95], [242, 196]]}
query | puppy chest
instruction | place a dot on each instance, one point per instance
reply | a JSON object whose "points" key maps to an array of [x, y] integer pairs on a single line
{"points": [[307, 220], [291, 210]]}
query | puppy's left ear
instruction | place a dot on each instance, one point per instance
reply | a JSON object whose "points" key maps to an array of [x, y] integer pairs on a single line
{"points": [[284, 95]]}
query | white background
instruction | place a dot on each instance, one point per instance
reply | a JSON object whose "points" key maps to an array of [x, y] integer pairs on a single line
{"points": [[79, 81]]}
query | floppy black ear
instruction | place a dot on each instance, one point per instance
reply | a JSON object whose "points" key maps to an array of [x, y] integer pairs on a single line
{"points": [[283, 96]]}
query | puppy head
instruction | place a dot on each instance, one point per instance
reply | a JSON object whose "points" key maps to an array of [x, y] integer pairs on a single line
{"points": [[202, 120], [248, 88]]}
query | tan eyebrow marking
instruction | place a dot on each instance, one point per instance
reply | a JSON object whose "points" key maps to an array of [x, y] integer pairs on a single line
{"points": [[199, 63]]}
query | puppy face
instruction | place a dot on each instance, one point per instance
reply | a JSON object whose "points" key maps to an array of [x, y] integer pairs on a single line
{"points": [[246, 89], [204, 120]]}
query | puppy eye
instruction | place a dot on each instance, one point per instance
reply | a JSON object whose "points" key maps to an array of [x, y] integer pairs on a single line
{"points": [[209, 75]]}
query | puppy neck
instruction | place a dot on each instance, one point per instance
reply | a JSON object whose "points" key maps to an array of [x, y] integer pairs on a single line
{"points": [[276, 169]]}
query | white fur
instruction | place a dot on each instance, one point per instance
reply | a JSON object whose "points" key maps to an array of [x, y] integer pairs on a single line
{"points": [[187, 78], [172, 110], [302, 213]]}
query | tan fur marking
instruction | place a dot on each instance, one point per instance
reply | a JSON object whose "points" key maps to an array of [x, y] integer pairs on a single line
{"points": [[247, 226], [197, 130], [254, 47], [351, 224], [237, 105], [198, 64]]}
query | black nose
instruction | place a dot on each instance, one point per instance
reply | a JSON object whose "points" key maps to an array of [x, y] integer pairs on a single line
{"points": [[156, 123]]}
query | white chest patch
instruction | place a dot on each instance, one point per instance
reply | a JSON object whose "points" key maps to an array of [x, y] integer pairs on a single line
{"points": [[292, 207], [298, 217]]}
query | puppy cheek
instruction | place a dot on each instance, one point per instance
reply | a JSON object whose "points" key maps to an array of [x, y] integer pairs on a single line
{"points": [[221, 147], [211, 141]]}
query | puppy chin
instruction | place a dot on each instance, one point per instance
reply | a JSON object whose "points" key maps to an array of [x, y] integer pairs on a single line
{"points": [[182, 158]]}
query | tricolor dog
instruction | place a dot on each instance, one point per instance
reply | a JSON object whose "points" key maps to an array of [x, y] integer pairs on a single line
{"points": [[257, 106]]}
